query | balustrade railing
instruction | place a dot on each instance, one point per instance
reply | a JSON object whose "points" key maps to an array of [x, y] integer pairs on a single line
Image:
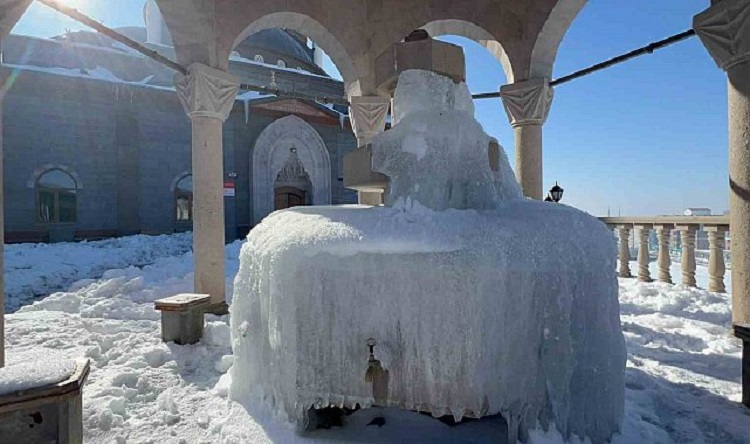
{"points": [[716, 228]]}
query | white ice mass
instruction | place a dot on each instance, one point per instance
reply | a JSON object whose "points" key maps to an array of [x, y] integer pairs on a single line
{"points": [[480, 301]]}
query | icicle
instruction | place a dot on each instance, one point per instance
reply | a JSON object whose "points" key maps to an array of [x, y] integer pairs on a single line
{"points": [[342, 119], [247, 111]]}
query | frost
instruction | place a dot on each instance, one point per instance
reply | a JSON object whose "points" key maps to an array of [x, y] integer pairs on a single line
{"points": [[481, 302]]}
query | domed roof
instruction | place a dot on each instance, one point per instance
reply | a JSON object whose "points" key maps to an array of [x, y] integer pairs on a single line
{"points": [[280, 42]]}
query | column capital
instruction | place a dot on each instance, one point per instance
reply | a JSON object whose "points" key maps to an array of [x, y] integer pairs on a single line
{"points": [[527, 102], [206, 91], [724, 29], [368, 115]]}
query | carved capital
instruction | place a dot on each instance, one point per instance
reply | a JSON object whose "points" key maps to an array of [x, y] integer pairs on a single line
{"points": [[368, 116], [207, 92], [527, 103], [724, 29]]}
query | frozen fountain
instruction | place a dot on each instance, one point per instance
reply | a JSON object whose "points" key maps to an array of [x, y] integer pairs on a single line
{"points": [[459, 297]]}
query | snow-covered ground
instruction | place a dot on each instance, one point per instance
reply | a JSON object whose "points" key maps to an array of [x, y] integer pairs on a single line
{"points": [[36, 270], [683, 376]]}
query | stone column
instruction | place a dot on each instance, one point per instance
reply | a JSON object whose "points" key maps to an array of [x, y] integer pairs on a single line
{"points": [[368, 115], [663, 234], [687, 235], [716, 267], [527, 105], [724, 29], [208, 95], [623, 232], [644, 274]]}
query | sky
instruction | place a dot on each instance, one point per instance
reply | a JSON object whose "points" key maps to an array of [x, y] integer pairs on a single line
{"points": [[646, 137]]}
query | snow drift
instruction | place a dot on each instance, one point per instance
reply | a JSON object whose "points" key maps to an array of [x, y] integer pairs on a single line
{"points": [[481, 302]]}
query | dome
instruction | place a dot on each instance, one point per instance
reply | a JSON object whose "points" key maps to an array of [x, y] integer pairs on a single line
{"points": [[281, 43]]}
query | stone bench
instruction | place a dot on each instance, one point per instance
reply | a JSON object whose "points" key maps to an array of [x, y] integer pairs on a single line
{"points": [[182, 317], [42, 401]]}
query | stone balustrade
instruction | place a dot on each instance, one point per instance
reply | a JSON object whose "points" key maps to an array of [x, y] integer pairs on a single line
{"points": [[716, 228]]}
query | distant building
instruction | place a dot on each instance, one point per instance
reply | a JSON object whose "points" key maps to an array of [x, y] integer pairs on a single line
{"points": [[697, 212], [98, 145]]}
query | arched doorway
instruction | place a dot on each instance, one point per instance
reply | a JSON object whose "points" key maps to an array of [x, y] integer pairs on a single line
{"points": [[292, 187], [272, 154]]}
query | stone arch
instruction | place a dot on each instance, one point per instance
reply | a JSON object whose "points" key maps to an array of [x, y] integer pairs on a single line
{"points": [[313, 30], [38, 172], [549, 39], [178, 178], [474, 32], [271, 153]]}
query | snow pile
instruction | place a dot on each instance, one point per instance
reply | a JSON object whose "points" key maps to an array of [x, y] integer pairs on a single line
{"points": [[38, 373], [33, 270], [682, 380], [493, 305]]}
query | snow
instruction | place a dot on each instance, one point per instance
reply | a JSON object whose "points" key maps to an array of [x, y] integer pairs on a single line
{"points": [[33, 374], [99, 74], [32, 270], [481, 302], [237, 58], [682, 379]]}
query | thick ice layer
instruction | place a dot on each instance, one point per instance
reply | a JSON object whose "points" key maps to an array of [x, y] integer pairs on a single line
{"points": [[481, 302], [437, 153], [513, 310]]}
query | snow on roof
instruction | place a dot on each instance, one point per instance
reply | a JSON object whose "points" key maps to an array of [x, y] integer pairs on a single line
{"points": [[240, 59], [99, 74]]}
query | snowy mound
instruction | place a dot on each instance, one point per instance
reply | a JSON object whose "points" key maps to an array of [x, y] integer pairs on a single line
{"points": [[480, 302]]}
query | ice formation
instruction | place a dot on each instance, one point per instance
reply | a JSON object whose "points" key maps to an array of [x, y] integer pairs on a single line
{"points": [[480, 301]]}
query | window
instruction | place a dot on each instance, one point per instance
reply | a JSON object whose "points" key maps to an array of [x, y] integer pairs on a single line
{"points": [[258, 58], [56, 196], [183, 195], [280, 63]]}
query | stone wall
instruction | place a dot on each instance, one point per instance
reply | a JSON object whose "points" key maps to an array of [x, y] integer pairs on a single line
{"points": [[127, 145]]}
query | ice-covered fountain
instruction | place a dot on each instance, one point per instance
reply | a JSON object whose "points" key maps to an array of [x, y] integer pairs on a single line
{"points": [[479, 301]]}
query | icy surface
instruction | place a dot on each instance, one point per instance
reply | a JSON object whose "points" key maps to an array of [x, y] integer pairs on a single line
{"points": [[481, 302], [682, 379], [437, 153], [28, 375]]}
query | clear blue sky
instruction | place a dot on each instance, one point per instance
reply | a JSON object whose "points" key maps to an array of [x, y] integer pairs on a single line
{"points": [[646, 137]]}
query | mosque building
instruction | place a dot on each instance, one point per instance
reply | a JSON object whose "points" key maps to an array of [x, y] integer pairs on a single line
{"points": [[98, 144]]}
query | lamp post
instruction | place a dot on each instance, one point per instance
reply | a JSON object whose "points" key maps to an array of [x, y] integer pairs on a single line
{"points": [[555, 194]]}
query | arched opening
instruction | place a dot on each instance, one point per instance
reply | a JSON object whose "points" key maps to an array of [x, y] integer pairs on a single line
{"points": [[304, 26], [56, 197], [183, 199], [473, 32], [557, 24], [289, 153], [292, 187]]}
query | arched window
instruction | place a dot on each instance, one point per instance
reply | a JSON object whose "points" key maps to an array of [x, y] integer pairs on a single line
{"points": [[280, 63], [183, 194], [56, 196], [258, 58]]}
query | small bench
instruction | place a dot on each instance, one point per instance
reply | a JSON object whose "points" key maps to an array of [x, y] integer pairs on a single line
{"points": [[182, 317], [42, 401]]}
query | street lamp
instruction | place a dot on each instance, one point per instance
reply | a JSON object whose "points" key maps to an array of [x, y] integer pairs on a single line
{"points": [[555, 194]]}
